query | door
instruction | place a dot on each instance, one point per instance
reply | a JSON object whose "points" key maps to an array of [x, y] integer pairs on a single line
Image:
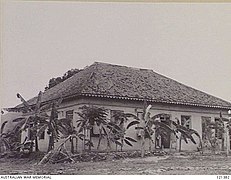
{"points": [[163, 137], [166, 136]]}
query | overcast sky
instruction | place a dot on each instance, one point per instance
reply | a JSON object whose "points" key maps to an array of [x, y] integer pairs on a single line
{"points": [[190, 43]]}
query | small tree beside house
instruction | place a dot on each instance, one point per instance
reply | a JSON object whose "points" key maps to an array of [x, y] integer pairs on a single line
{"points": [[36, 122], [112, 131], [152, 128], [214, 133]]}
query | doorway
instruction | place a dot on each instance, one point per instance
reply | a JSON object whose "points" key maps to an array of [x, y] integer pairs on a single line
{"points": [[163, 138]]}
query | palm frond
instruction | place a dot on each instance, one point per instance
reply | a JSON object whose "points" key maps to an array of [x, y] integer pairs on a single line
{"points": [[187, 133], [114, 126], [118, 143], [184, 138], [5, 143], [105, 131], [2, 126], [129, 115], [132, 124], [127, 142], [42, 130], [27, 123], [25, 103], [130, 139], [164, 126], [38, 103], [45, 107], [63, 130]]}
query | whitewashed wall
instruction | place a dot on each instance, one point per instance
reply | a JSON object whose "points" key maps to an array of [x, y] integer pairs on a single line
{"points": [[132, 107]]}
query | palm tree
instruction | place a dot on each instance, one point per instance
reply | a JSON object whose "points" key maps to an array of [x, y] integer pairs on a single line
{"points": [[112, 131], [221, 127], [89, 117], [151, 127], [187, 133], [10, 140], [33, 117], [38, 121], [119, 131], [56, 127], [220, 131], [162, 128]]}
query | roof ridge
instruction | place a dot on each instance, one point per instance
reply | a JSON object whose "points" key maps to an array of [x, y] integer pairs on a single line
{"points": [[126, 66]]}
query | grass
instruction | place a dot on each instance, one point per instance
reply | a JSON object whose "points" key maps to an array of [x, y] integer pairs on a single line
{"points": [[161, 165]]}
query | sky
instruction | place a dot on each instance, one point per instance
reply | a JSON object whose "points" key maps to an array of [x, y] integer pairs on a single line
{"points": [[190, 43]]}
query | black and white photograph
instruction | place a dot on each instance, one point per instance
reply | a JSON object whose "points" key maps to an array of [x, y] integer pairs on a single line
{"points": [[115, 88]]}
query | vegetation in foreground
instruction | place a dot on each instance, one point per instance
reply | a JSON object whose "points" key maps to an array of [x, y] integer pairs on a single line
{"points": [[177, 164]]}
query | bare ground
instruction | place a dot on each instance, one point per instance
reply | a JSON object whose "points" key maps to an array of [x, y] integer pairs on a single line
{"points": [[161, 165]]}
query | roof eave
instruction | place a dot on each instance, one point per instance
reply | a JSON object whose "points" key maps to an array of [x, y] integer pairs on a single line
{"points": [[153, 100], [132, 99]]}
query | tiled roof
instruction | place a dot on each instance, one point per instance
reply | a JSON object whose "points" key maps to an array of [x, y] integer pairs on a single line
{"points": [[114, 81]]}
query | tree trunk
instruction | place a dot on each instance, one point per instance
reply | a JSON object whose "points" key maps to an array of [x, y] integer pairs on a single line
{"points": [[31, 147], [223, 142], [154, 138], [150, 145], [36, 144], [170, 143], [76, 145], [89, 147], [201, 145], [99, 142], [142, 133], [84, 139], [72, 145], [180, 143], [100, 137], [51, 143], [46, 158], [142, 146], [227, 141]]}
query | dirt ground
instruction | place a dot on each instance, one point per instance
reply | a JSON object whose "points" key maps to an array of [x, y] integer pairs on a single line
{"points": [[161, 165]]}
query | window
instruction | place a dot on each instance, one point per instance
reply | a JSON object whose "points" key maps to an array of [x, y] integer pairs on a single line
{"points": [[115, 115], [42, 136], [30, 132], [166, 137], [61, 113], [165, 118], [205, 124], [186, 121], [95, 131], [69, 114], [140, 114]]}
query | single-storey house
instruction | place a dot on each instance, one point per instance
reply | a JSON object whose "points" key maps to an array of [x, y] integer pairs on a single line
{"points": [[121, 88]]}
